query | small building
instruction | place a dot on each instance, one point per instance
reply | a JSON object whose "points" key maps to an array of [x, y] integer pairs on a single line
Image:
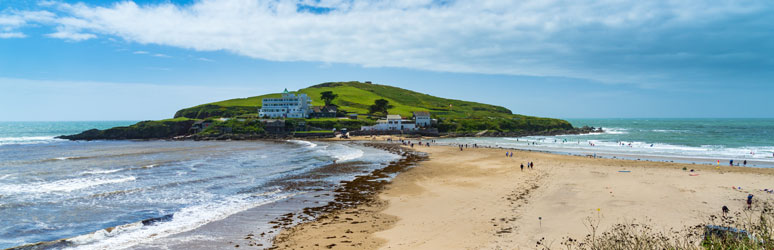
{"points": [[199, 126], [422, 119], [324, 112], [393, 122], [289, 106]]}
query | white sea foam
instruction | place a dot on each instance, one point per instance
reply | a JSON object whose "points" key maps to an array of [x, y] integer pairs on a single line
{"points": [[668, 130], [100, 171], [615, 131], [187, 219], [350, 155], [308, 144], [706, 153], [343, 153], [66, 185], [28, 140]]}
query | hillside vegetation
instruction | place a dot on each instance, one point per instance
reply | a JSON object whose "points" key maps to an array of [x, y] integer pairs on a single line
{"points": [[454, 117], [356, 97]]}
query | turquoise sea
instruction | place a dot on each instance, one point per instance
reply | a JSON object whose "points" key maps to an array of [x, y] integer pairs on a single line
{"points": [[44, 132], [683, 140]]}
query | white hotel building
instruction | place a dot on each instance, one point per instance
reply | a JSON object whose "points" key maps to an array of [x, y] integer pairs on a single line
{"points": [[289, 106]]}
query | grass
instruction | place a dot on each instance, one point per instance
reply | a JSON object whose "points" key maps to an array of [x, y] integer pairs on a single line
{"points": [[758, 224], [177, 119], [356, 97]]}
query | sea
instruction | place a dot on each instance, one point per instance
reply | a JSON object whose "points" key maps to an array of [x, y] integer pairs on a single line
{"points": [[134, 194], [700, 141], [125, 194]]}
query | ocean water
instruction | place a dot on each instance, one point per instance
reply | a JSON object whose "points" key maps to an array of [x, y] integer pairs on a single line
{"points": [[142, 191], [44, 132], [681, 140]]}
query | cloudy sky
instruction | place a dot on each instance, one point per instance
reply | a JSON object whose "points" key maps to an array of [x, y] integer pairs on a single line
{"points": [[138, 60]]}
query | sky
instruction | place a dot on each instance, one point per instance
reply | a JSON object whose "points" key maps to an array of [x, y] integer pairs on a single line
{"points": [[144, 60]]}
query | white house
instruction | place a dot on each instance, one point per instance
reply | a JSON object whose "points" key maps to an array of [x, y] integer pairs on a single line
{"points": [[289, 106], [422, 119], [393, 122]]}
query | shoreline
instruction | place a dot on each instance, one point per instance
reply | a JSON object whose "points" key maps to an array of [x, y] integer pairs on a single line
{"points": [[692, 160], [482, 200], [360, 194], [256, 226]]}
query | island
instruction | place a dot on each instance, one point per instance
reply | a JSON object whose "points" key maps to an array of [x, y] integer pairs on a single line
{"points": [[337, 109]]}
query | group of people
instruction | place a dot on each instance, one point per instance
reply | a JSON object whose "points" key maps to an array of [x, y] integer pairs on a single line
{"points": [[749, 204], [731, 163], [530, 165], [411, 144]]}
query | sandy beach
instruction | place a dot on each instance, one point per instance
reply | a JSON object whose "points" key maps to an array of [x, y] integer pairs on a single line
{"points": [[481, 199]]}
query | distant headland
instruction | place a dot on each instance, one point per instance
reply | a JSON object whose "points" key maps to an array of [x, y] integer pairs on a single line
{"points": [[337, 109]]}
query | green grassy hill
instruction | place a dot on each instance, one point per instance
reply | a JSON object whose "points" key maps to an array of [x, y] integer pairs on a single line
{"points": [[355, 97]]}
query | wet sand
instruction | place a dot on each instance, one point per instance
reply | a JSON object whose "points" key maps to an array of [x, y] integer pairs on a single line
{"points": [[480, 199]]}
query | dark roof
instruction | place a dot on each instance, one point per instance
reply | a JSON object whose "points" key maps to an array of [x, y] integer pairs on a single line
{"points": [[325, 109], [421, 113]]}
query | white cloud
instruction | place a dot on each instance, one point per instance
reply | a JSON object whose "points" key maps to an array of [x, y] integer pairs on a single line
{"points": [[609, 40], [12, 35], [161, 55], [140, 52], [71, 36], [12, 22]]}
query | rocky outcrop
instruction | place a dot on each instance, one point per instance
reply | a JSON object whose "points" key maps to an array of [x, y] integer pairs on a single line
{"points": [[140, 130]]}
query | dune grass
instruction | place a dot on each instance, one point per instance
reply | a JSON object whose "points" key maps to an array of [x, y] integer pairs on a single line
{"points": [[758, 226]]}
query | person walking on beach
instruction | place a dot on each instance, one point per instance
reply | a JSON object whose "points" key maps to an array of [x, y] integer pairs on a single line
{"points": [[749, 201], [522, 167], [725, 211], [745, 163]]}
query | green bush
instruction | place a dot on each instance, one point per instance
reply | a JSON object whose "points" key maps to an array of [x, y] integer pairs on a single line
{"points": [[208, 110], [234, 126]]}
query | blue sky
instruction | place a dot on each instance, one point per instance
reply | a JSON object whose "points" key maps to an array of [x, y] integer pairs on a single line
{"points": [[123, 60]]}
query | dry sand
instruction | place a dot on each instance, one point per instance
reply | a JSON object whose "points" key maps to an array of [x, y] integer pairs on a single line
{"points": [[480, 199]]}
